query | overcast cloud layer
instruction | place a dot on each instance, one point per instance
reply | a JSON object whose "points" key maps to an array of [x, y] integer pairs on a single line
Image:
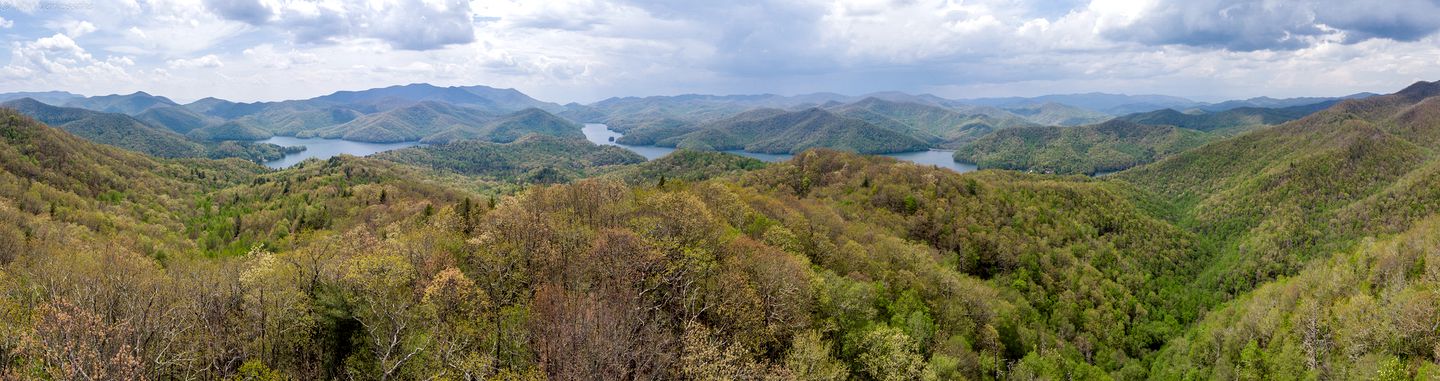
{"points": [[585, 50]]}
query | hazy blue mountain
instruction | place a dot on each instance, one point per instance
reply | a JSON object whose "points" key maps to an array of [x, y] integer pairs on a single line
{"points": [[232, 130], [582, 113], [221, 108], [936, 125], [1056, 114], [1113, 104], [405, 124], [479, 97], [510, 127], [689, 107], [293, 119], [1268, 102], [54, 98], [176, 118], [129, 104], [1230, 121]]}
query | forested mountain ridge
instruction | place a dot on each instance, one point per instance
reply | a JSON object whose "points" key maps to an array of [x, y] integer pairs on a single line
{"points": [[531, 159], [48, 97], [863, 240], [409, 123], [1056, 114], [936, 125], [1230, 121], [775, 131], [1282, 195], [56, 177], [1300, 250], [1357, 315], [176, 118], [1104, 147], [129, 104], [110, 128], [485, 98], [510, 127]]}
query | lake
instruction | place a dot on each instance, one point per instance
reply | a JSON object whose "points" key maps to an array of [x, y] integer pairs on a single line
{"points": [[325, 148], [600, 134]]}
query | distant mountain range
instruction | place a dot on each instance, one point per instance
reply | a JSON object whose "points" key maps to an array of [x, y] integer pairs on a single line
{"points": [[47, 97], [871, 123], [110, 128], [1229, 121], [940, 126]]}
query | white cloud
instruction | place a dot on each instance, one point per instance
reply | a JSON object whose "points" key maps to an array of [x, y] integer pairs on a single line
{"points": [[76, 29], [584, 50], [6, 24], [403, 24], [208, 61], [58, 60]]}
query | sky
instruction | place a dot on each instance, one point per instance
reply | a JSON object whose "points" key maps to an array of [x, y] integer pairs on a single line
{"points": [[587, 50]]}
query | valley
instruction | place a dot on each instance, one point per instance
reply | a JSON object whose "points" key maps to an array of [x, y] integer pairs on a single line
{"points": [[750, 190], [550, 241]]}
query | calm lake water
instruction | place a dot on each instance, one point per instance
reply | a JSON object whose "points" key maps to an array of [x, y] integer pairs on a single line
{"points": [[600, 134], [325, 148]]}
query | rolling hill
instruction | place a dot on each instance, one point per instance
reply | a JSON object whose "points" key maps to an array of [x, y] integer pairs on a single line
{"points": [[1283, 195], [404, 124], [53, 98], [686, 165], [129, 104], [533, 158], [232, 130], [510, 127], [1056, 114], [176, 118], [937, 125], [777, 131], [489, 99], [1227, 122], [114, 129], [1112, 104], [224, 109], [1103, 147], [295, 120], [1301, 250], [1268, 102], [759, 252], [650, 131]]}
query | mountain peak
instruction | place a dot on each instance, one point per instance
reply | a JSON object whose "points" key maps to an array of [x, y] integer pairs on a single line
{"points": [[1421, 90], [24, 102]]}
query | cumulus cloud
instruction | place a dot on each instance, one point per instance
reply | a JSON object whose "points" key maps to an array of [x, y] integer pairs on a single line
{"points": [[6, 24], [58, 58], [589, 49], [78, 28], [207, 61], [404, 24], [1250, 25]]}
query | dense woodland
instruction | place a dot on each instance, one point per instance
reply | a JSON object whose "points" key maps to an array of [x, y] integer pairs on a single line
{"points": [[1300, 251], [1104, 147]]}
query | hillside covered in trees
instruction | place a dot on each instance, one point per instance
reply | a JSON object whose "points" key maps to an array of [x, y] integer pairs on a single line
{"points": [[778, 131], [1104, 147], [1299, 251]]}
